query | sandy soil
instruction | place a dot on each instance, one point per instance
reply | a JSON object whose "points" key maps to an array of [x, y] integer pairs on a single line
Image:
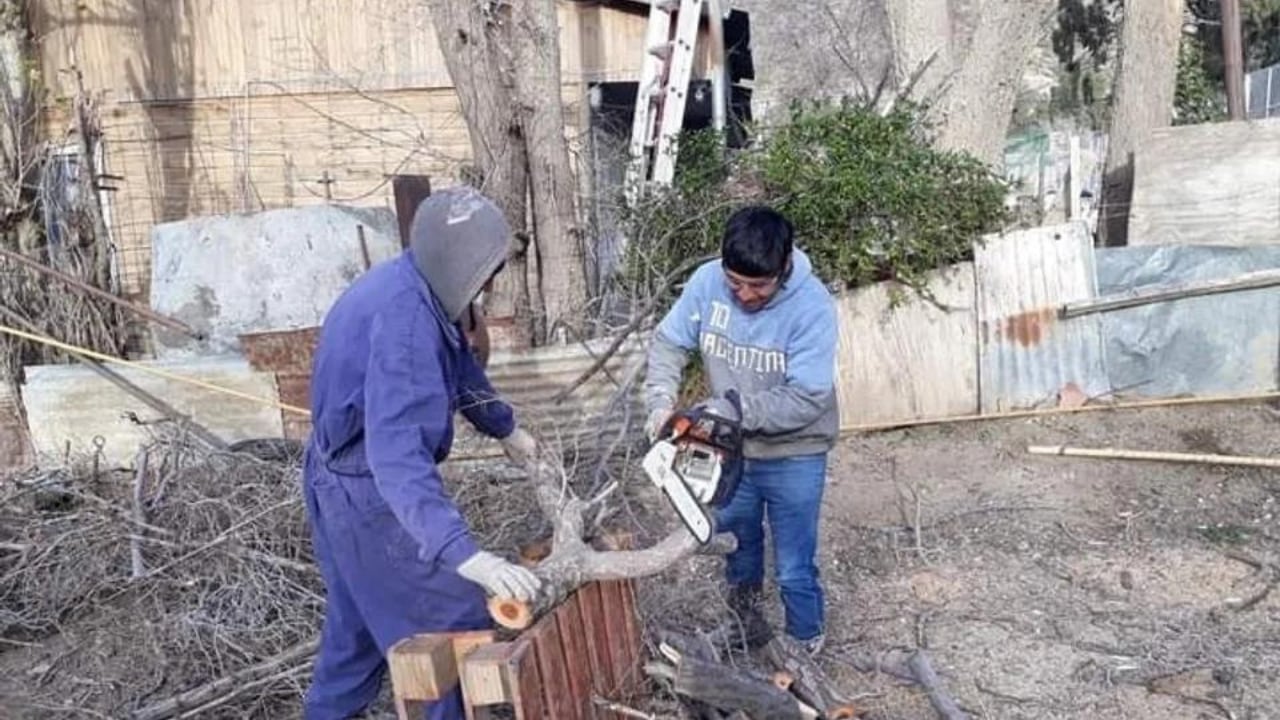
{"points": [[1040, 587], [1049, 587]]}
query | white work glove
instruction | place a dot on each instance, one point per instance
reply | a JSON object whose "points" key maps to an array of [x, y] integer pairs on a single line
{"points": [[499, 577], [520, 447], [653, 425]]}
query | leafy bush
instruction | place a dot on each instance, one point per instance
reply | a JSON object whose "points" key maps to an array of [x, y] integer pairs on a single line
{"points": [[1197, 98], [871, 199]]}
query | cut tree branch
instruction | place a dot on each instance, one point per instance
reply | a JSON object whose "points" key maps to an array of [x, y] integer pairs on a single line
{"points": [[572, 562], [810, 683], [731, 688]]}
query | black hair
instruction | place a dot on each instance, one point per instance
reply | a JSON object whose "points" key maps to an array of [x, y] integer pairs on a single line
{"points": [[757, 242]]}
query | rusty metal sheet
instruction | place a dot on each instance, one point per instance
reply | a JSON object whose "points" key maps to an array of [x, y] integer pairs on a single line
{"points": [[1027, 356], [1214, 345], [281, 351]]}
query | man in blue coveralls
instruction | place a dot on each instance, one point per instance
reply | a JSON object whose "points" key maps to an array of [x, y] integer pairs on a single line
{"points": [[391, 368]]}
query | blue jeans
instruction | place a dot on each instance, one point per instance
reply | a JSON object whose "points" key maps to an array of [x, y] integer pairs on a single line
{"points": [[788, 491]]}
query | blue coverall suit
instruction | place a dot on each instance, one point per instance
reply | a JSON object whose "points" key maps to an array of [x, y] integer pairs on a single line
{"points": [[390, 372]]}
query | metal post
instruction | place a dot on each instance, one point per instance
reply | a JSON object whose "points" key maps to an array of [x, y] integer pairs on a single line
{"points": [[144, 312], [1233, 58]]}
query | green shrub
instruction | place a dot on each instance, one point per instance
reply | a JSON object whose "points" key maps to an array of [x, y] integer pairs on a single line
{"points": [[871, 199]]}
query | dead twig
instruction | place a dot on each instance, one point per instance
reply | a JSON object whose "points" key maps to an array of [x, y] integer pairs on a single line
{"points": [[1226, 711], [620, 709], [137, 566], [649, 308], [225, 689], [942, 702]]}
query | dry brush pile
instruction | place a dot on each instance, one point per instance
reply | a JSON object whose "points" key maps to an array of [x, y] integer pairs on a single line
{"points": [[189, 589], [134, 594]]}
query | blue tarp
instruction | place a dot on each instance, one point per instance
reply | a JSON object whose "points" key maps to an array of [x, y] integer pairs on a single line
{"points": [[1218, 344]]}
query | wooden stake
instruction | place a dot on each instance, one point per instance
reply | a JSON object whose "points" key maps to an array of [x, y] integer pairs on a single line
{"points": [[1186, 458], [1165, 293], [1046, 412]]}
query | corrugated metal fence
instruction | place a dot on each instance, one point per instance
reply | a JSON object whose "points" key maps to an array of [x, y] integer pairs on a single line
{"points": [[991, 339], [998, 342], [586, 420]]}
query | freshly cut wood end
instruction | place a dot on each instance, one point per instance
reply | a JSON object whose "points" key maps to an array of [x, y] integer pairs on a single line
{"points": [[783, 680], [844, 712], [510, 613]]}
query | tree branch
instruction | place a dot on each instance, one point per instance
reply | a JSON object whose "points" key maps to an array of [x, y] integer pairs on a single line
{"points": [[671, 279], [227, 687], [573, 562]]}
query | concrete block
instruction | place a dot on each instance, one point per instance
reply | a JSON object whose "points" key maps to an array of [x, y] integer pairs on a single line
{"points": [[275, 270], [70, 405]]}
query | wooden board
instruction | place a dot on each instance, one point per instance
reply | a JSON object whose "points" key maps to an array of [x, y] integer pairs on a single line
{"points": [[422, 669], [597, 636], [1207, 184], [910, 360], [573, 640], [556, 690], [588, 646], [144, 49], [526, 691]]}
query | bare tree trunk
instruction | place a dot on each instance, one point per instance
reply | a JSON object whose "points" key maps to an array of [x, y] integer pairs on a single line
{"points": [[17, 136], [473, 44], [922, 29], [561, 271], [977, 106], [1145, 81], [976, 52]]}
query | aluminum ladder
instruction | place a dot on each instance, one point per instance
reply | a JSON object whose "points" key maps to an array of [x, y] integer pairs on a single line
{"points": [[662, 93]]}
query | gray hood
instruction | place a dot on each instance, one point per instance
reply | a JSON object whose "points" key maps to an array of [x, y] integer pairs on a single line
{"points": [[459, 238]]}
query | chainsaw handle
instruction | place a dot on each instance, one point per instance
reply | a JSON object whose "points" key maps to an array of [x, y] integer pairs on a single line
{"points": [[678, 423]]}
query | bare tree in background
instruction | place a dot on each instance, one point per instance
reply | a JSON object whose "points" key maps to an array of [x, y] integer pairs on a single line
{"points": [[1146, 79], [965, 58], [977, 105], [18, 158], [968, 57], [43, 190], [504, 61]]}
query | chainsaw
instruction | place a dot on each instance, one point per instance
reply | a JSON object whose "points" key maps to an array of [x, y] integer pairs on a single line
{"points": [[696, 461]]}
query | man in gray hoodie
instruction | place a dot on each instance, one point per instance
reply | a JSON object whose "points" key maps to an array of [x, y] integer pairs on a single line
{"points": [[764, 326]]}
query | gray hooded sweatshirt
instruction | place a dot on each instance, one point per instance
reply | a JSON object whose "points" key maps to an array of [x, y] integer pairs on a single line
{"points": [[459, 240], [780, 359]]}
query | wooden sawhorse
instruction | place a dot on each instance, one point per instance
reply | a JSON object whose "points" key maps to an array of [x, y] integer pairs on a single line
{"points": [[586, 647]]}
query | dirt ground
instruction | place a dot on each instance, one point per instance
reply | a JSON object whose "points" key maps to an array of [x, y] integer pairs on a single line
{"points": [[1052, 587], [1040, 587]]}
